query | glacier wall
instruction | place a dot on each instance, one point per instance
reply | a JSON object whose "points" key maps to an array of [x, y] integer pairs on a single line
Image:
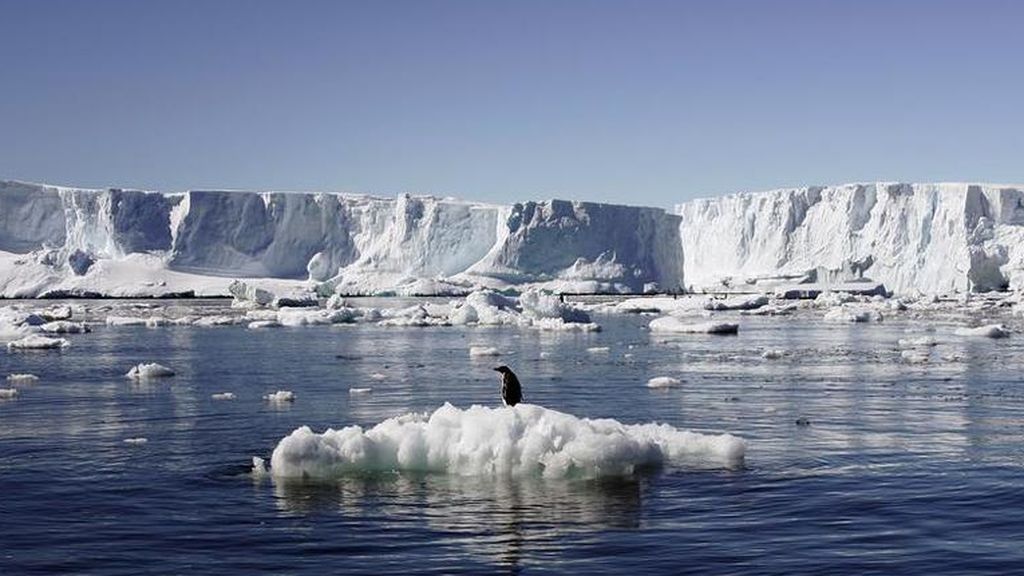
{"points": [[359, 244], [914, 238]]}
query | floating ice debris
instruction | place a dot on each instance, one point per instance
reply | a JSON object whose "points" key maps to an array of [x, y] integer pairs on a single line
{"points": [[216, 320], [772, 354], [738, 303], [36, 342], [125, 321], [136, 441], [280, 396], [8, 393], [847, 314], [358, 391], [378, 376], [223, 396], [674, 324], [989, 331], [663, 382], [919, 342], [22, 378], [598, 350], [264, 324], [65, 327], [259, 466], [477, 351], [479, 441], [146, 371]]}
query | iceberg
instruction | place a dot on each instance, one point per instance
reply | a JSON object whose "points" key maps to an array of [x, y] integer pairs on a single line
{"points": [[524, 440]]}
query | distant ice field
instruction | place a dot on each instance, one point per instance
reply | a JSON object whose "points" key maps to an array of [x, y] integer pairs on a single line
{"points": [[883, 439]]}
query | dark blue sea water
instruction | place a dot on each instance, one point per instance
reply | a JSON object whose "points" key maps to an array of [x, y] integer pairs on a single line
{"points": [[903, 468]]}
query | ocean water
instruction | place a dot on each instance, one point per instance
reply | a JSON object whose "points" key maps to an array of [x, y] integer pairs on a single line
{"points": [[896, 467]]}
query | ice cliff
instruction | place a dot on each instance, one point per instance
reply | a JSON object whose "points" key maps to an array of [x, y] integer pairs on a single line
{"points": [[56, 240], [930, 238]]}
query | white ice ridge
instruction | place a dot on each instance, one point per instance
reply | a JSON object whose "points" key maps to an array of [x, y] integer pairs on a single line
{"points": [[525, 440], [56, 240], [929, 238]]}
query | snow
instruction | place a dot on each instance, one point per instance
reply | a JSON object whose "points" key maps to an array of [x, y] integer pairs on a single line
{"points": [[280, 396], [36, 342], [22, 378], [147, 371], [676, 325], [663, 382], [525, 440]]}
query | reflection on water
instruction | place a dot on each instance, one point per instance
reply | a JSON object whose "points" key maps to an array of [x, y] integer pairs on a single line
{"points": [[492, 518]]}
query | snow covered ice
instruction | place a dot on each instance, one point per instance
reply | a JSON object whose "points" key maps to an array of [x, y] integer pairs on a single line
{"points": [[36, 342], [526, 440]]}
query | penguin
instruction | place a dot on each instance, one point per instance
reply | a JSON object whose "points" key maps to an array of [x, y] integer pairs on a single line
{"points": [[511, 391]]}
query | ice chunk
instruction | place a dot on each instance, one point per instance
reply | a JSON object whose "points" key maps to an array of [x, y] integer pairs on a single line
{"points": [[848, 314], [259, 466], [674, 324], [772, 354], [525, 440], [264, 324], [223, 396], [147, 371], [484, 351], [65, 327], [358, 391], [8, 393], [136, 441], [280, 396], [598, 350], [36, 342], [22, 378], [738, 303], [663, 382], [125, 321], [989, 331]]}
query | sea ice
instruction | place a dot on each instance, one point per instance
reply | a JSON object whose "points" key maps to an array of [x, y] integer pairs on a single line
{"points": [[525, 440], [136, 441], [663, 382], [358, 391], [36, 342], [989, 331], [280, 396], [484, 351], [22, 378], [674, 324], [223, 396], [8, 393], [147, 371], [65, 327]]}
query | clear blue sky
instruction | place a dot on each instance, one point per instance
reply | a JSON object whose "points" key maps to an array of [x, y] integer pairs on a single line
{"points": [[631, 102]]}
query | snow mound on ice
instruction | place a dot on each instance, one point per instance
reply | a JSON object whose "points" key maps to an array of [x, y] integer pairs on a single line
{"points": [[146, 371], [527, 440]]}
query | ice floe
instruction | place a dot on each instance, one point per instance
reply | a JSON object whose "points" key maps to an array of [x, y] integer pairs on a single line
{"points": [[525, 440], [147, 371], [279, 397], [663, 382], [673, 324], [37, 342]]}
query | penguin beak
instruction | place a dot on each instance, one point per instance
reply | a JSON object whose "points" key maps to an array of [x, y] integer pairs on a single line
{"points": [[496, 369]]}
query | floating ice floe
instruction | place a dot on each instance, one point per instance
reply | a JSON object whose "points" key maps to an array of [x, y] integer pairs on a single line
{"points": [[772, 354], [8, 393], [147, 371], [483, 351], [136, 441], [36, 342], [358, 391], [281, 396], [65, 327], [676, 325], [849, 314], [738, 303], [22, 378], [256, 325], [598, 350], [663, 382], [125, 321], [989, 331], [223, 396], [919, 342], [525, 440]]}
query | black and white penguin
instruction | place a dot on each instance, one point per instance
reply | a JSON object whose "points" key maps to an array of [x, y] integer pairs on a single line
{"points": [[511, 391]]}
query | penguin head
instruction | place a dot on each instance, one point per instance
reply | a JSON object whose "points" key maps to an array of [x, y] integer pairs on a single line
{"points": [[502, 369]]}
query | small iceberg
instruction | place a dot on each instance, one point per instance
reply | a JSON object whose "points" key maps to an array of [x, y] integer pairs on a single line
{"points": [[663, 382], [37, 342], [279, 397], [675, 325], [147, 371]]}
